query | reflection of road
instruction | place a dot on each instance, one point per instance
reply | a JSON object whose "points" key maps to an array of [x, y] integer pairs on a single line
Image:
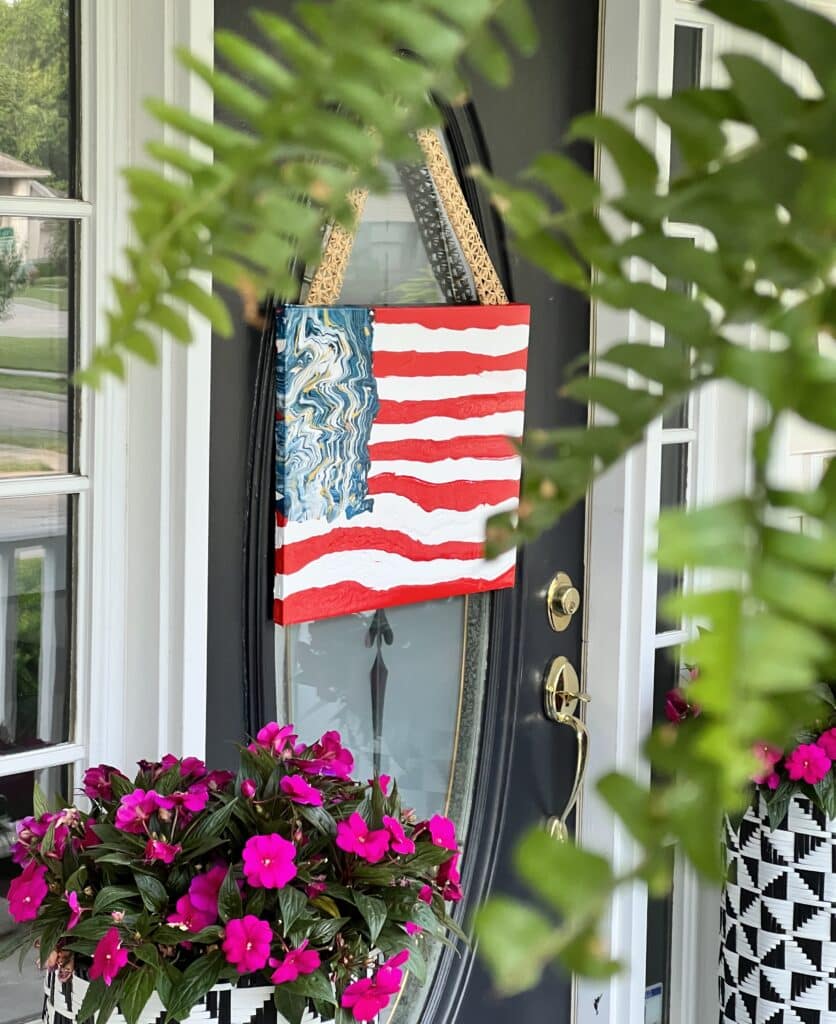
{"points": [[32, 410], [31, 318]]}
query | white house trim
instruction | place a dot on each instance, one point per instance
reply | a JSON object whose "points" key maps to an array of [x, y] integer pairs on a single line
{"points": [[146, 642]]}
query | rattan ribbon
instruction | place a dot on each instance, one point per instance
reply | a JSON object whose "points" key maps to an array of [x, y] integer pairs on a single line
{"points": [[327, 281]]}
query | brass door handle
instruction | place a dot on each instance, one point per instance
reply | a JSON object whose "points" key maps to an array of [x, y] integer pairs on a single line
{"points": [[561, 698]]}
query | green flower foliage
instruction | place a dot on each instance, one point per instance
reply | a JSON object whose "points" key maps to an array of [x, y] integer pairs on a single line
{"points": [[324, 102], [770, 629]]}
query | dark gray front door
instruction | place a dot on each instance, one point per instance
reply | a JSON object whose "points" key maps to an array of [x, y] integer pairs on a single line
{"points": [[446, 695]]}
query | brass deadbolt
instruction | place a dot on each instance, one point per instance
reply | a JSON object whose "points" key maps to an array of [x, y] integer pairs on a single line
{"points": [[562, 601]]}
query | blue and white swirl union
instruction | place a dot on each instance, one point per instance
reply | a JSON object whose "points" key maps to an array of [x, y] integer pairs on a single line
{"points": [[326, 402]]}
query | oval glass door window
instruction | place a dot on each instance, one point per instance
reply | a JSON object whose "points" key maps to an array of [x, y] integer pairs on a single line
{"points": [[405, 685]]}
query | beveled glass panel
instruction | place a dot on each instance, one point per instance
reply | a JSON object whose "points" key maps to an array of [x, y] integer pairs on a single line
{"points": [[21, 989], [37, 99], [35, 538], [36, 303]]}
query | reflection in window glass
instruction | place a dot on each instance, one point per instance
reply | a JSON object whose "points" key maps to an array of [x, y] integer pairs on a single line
{"points": [[34, 622], [667, 676], [679, 415], [21, 992], [687, 58], [388, 258], [673, 493], [36, 101], [36, 300]]}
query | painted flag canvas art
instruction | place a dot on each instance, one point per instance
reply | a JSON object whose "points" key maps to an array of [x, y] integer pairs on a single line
{"points": [[392, 451]]}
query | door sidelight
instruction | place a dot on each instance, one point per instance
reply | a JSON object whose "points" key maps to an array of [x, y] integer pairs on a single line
{"points": [[561, 699]]}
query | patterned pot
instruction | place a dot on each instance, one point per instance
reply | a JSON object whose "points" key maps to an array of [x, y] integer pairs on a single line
{"points": [[224, 1004], [778, 920]]}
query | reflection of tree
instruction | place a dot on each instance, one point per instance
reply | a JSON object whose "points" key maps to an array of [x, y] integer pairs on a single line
{"points": [[11, 276], [34, 84]]}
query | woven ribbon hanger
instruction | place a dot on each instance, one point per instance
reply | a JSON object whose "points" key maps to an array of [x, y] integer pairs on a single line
{"points": [[327, 281]]}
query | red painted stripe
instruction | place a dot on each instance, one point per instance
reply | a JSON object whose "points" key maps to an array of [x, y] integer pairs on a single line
{"points": [[463, 408], [491, 446], [457, 497], [456, 318], [344, 598], [293, 556], [444, 364]]}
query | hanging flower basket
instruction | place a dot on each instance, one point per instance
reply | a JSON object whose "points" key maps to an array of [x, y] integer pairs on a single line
{"points": [[778, 921], [289, 892]]}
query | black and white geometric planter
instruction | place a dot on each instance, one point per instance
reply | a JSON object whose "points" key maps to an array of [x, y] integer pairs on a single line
{"points": [[778, 923], [224, 1004]]}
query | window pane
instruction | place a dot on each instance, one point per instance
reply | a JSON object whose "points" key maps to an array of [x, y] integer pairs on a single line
{"points": [[37, 292], [35, 544], [687, 56], [36, 98], [679, 415], [660, 910], [21, 992], [673, 493]]}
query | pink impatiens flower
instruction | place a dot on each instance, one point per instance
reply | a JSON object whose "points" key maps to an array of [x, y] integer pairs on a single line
{"points": [[399, 841], [27, 892], [135, 809], [366, 997], [203, 892], [297, 961], [157, 849], [808, 762], [247, 943], [98, 782], [425, 894], [827, 741], [330, 757], [355, 836], [278, 739], [76, 910], [442, 832], [30, 832], [193, 800], [678, 708], [219, 780], [108, 957], [190, 767], [448, 878], [295, 788], [248, 789], [269, 861], [411, 928], [768, 756], [189, 917]]}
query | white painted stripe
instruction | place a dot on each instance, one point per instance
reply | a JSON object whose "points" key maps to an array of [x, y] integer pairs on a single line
{"points": [[407, 389], [382, 570], [441, 428], [496, 341], [451, 470], [395, 512]]}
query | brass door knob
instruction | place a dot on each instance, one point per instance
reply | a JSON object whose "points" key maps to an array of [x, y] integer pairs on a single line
{"points": [[562, 601]]}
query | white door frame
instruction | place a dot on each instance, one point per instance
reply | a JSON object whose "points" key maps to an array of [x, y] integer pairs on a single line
{"points": [[636, 58]]}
